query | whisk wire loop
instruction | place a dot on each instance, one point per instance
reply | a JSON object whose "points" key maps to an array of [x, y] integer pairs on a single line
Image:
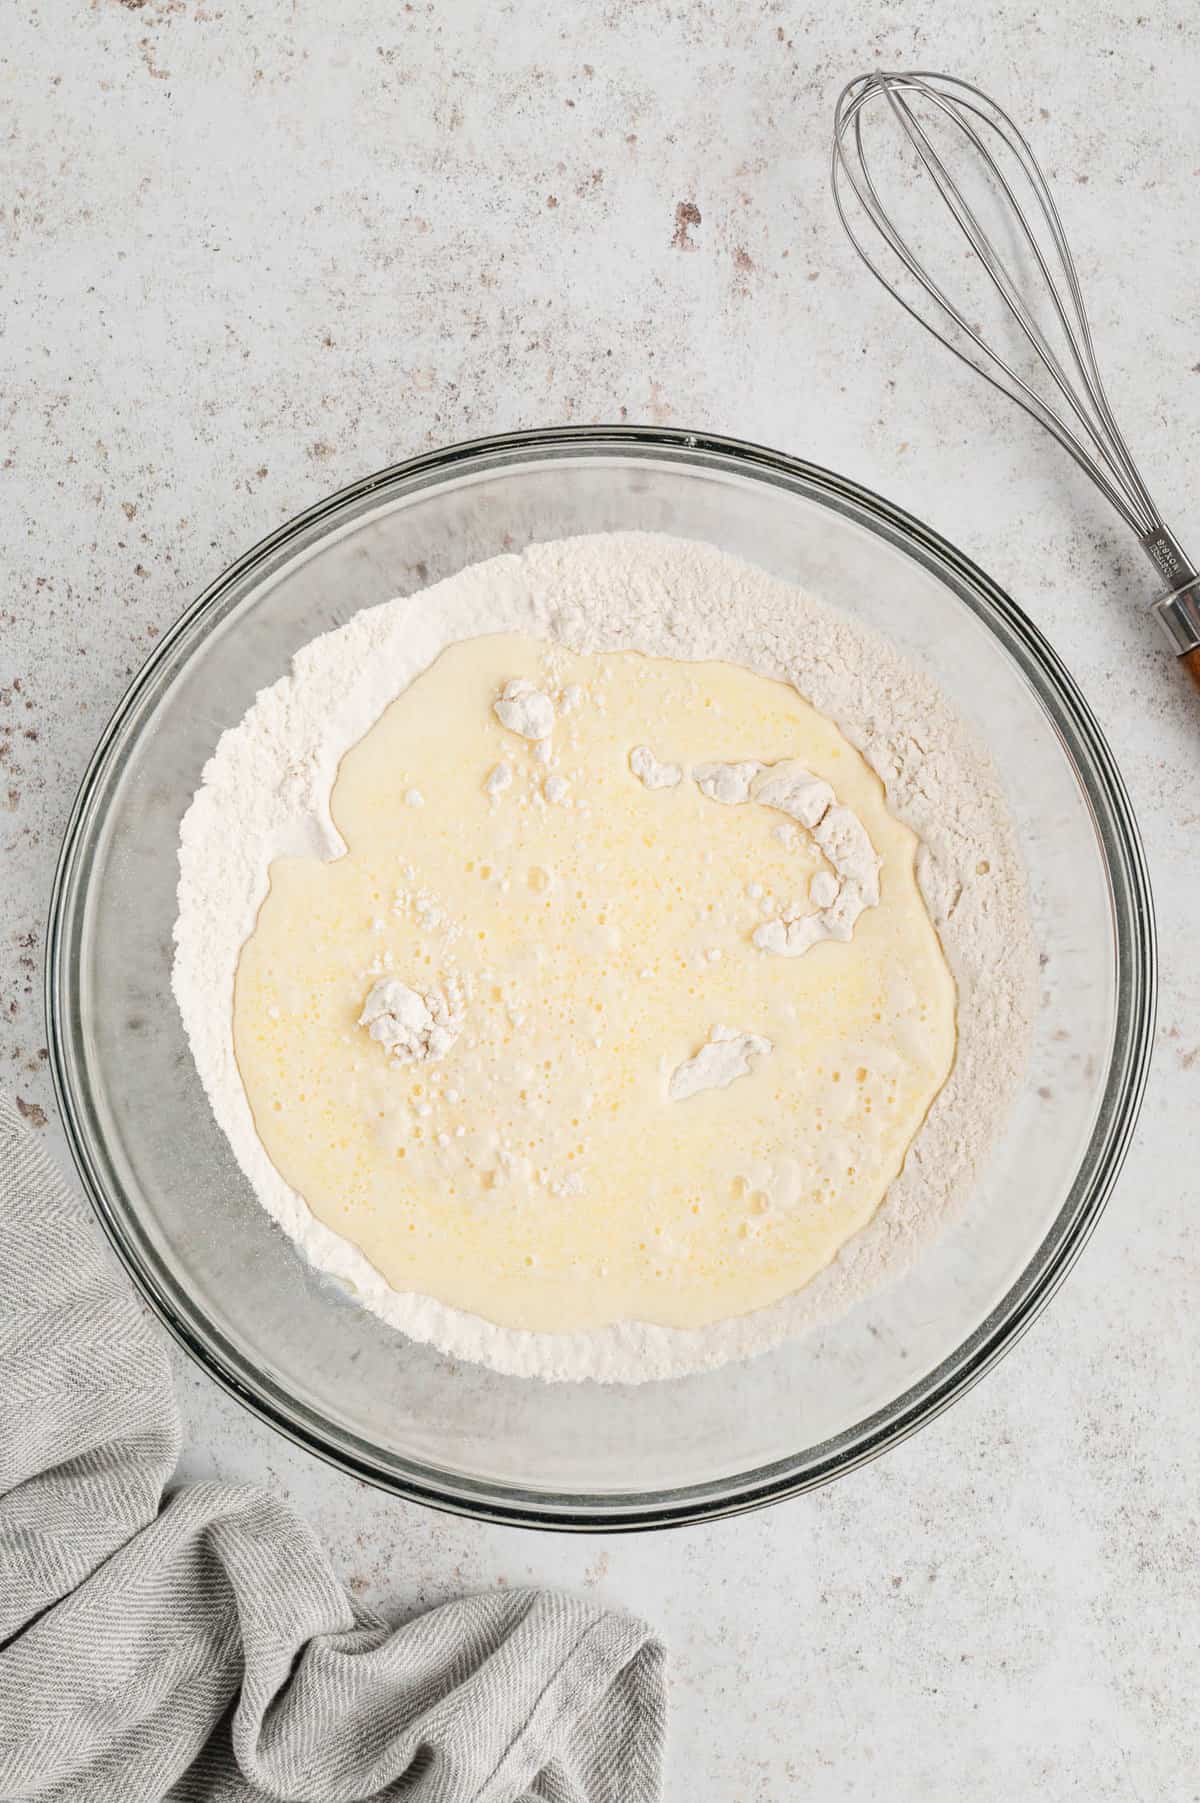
{"points": [[1075, 410]]}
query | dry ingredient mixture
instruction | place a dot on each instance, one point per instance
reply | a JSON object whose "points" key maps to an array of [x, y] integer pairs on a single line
{"points": [[585, 1034]]}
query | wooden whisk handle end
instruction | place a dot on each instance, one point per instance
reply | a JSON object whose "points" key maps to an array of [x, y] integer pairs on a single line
{"points": [[1191, 663]]}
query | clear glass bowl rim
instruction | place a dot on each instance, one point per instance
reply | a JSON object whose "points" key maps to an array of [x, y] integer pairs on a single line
{"points": [[1136, 987]]}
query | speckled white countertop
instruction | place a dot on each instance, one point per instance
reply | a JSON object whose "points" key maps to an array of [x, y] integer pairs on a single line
{"points": [[256, 251]]}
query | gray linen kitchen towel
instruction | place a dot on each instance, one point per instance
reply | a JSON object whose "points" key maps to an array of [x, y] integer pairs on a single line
{"points": [[198, 1646]]}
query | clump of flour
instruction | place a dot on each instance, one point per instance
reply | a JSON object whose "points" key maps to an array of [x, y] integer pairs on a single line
{"points": [[725, 1056], [411, 1026], [840, 894], [265, 793], [525, 710], [650, 772]]}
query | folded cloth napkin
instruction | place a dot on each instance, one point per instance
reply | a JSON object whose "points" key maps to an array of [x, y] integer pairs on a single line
{"points": [[199, 1646]]}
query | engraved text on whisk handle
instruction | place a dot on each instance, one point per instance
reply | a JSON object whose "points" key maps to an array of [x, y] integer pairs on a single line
{"points": [[1164, 553]]}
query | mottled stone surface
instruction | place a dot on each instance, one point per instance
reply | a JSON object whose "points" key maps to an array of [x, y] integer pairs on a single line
{"points": [[253, 252]]}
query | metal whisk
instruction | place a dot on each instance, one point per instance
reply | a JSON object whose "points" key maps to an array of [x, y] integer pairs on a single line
{"points": [[985, 145]]}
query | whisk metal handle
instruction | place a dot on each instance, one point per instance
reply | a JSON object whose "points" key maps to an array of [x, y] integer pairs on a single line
{"points": [[1177, 610], [1178, 613]]}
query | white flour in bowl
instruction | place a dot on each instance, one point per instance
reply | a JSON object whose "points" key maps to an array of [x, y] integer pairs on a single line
{"points": [[266, 793]]}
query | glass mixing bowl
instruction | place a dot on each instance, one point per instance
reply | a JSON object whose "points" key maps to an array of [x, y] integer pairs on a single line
{"points": [[287, 1342]]}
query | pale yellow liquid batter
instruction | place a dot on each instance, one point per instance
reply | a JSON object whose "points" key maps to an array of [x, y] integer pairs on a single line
{"points": [[538, 1174]]}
